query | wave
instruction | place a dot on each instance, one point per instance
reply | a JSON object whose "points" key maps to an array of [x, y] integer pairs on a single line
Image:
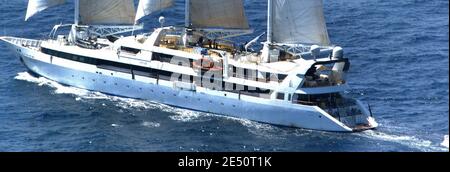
{"points": [[445, 142], [409, 141], [150, 124], [59, 88], [260, 129], [125, 103], [115, 125]]}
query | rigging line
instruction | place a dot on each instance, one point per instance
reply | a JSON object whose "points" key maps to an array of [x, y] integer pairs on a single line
{"points": [[132, 32]]}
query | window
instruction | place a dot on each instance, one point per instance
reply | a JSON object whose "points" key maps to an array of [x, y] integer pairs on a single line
{"points": [[145, 73], [245, 74], [281, 77], [72, 57], [164, 75], [162, 57], [82, 59], [251, 74], [280, 96], [130, 50]]}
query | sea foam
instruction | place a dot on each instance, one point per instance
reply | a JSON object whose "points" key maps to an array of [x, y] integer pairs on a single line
{"points": [[445, 142], [125, 103], [410, 141]]}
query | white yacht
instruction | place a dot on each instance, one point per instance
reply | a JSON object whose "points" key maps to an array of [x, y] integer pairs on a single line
{"points": [[296, 80]]}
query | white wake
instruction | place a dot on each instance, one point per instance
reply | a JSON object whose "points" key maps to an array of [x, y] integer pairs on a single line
{"points": [[409, 141], [60, 89], [445, 142], [125, 103]]}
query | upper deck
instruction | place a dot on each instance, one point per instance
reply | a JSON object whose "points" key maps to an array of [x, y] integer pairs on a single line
{"points": [[236, 56], [321, 71]]}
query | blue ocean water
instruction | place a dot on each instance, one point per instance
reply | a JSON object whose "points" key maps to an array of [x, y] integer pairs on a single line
{"points": [[399, 54]]}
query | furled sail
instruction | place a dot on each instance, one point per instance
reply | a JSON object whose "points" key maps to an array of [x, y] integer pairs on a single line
{"points": [[106, 12], [147, 7], [224, 14], [36, 6], [299, 21]]}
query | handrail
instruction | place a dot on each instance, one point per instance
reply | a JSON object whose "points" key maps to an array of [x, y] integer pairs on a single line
{"points": [[26, 42], [306, 103]]}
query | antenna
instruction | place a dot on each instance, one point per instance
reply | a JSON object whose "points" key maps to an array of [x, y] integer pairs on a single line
{"points": [[162, 20], [370, 110]]}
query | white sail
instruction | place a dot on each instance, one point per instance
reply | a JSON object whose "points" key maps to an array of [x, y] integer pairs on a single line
{"points": [[147, 7], [36, 6], [298, 21], [106, 12], [224, 14]]}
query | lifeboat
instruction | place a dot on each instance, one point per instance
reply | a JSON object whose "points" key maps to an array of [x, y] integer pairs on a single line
{"points": [[206, 64]]}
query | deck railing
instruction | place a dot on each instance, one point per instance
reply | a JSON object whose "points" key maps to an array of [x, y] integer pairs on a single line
{"points": [[339, 111], [26, 42]]}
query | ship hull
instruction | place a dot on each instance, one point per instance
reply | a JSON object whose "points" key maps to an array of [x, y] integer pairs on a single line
{"points": [[255, 109]]}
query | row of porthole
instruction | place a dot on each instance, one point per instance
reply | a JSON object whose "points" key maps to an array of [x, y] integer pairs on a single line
{"points": [[186, 97], [223, 104], [94, 80], [101, 73], [211, 102]]}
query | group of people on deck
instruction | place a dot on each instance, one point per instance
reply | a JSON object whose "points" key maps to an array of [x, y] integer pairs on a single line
{"points": [[211, 43], [188, 40]]}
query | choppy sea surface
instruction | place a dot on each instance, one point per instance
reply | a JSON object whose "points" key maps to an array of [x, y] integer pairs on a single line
{"points": [[399, 54]]}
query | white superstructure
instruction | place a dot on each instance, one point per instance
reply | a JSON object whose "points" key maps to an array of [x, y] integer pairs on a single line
{"points": [[296, 80]]}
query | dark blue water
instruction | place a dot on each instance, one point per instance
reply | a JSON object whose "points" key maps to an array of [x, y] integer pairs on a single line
{"points": [[399, 54]]}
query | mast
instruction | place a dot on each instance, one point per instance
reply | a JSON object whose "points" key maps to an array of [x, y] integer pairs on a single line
{"points": [[266, 48], [77, 12], [187, 13], [76, 21], [269, 21]]}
